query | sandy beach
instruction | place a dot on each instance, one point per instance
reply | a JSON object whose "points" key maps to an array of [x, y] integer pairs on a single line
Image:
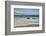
{"points": [[20, 23]]}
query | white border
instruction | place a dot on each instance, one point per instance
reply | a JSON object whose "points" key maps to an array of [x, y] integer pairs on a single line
{"points": [[25, 28]]}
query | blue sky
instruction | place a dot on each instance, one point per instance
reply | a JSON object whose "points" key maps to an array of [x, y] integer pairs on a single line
{"points": [[26, 11]]}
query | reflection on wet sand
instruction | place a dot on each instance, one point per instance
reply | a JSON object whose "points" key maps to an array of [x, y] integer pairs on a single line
{"points": [[26, 21]]}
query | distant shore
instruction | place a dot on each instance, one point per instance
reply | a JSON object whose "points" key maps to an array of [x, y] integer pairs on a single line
{"points": [[26, 15]]}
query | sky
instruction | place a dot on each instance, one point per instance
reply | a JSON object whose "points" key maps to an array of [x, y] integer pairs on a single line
{"points": [[26, 11]]}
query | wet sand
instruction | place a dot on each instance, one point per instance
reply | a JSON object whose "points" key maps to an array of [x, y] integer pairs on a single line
{"points": [[26, 24]]}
